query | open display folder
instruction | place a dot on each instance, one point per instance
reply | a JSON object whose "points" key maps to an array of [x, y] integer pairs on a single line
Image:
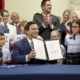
{"points": [[47, 50]]}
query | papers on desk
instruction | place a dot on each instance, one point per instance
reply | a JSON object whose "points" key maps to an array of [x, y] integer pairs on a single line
{"points": [[9, 66]]}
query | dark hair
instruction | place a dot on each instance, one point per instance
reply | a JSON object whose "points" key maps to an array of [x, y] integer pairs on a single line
{"points": [[27, 26], [43, 2], [2, 12], [1, 34], [77, 21]]}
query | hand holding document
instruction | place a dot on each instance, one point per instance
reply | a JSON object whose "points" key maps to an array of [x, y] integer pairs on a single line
{"points": [[47, 50]]}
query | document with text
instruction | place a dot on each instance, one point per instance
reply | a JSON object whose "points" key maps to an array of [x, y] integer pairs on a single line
{"points": [[47, 50]]}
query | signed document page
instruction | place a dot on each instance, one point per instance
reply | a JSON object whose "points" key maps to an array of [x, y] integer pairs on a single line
{"points": [[39, 49], [53, 49]]}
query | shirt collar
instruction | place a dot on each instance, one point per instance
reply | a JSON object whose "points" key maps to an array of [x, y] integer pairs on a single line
{"points": [[45, 15], [29, 40], [16, 24], [76, 34], [2, 23]]}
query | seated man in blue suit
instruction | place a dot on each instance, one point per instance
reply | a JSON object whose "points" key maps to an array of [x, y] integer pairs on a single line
{"points": [[22, 51]]}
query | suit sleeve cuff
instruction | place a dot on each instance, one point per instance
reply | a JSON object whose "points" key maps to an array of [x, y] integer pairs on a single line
{"points": [[43, 25], [27, 58], [52, 26]]}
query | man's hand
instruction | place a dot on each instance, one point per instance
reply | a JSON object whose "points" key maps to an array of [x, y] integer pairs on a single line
{"points": [[31, 55]]}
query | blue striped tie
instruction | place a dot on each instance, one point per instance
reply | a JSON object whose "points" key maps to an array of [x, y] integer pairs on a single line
{"points": [[32, 45]]}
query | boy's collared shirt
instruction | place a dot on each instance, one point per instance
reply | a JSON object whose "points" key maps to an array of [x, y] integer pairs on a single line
{"points": [[6, 54]]}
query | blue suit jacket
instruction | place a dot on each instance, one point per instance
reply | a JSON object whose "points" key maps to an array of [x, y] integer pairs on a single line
{"points": [[20, 50]]}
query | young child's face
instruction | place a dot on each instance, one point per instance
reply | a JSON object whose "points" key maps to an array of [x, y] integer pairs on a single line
{"points": [[22, 28], [75, 28], [55, 35], [74, 16], [2, 40]]}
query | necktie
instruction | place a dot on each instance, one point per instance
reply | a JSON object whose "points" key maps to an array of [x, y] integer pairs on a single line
{"points": [[17, 29], [46, 21], [32, 45], [1, 56]]}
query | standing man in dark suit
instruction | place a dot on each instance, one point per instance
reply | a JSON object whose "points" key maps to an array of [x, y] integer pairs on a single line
{"points": [[22, 51], [46, 21]]}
